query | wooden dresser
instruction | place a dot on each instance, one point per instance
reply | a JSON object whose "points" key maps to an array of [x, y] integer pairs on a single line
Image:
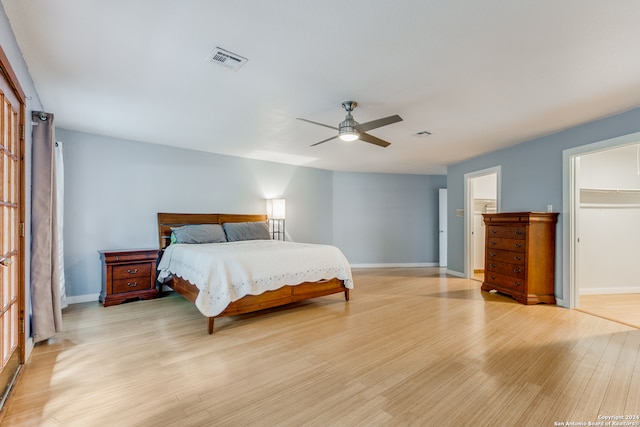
{"points": [[520, 255], [128, 274]]}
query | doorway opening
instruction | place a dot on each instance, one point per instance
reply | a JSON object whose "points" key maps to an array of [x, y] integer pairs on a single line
{"points": [[603, 203], [601, 192], [482, 189]]}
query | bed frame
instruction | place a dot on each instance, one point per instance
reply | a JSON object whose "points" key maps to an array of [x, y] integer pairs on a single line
{"points": [[250, 303]]}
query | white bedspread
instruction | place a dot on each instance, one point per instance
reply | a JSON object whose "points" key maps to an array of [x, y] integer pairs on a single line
{"points": [[226, 272]]}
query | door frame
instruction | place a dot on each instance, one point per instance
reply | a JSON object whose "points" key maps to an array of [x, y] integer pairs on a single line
{"points": [[468, 211], [12, 79], [570, 209]]}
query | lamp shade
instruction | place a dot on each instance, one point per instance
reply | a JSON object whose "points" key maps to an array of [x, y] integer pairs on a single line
{"points": [[276, 208]]}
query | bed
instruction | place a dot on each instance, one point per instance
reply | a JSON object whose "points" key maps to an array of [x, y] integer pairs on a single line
{"points": [[243, 276]]}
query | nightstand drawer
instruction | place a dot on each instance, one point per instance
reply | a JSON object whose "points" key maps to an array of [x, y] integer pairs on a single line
{"points": [[131, 284], [131, 271]]}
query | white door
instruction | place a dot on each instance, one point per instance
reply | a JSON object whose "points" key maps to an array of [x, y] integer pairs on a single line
{"points": [[443, 226]]}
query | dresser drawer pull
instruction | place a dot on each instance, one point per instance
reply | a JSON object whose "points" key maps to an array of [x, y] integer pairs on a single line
{"points": [[494, 231], [493, 242], [492, 254], [492, 277], [517, 270], [517, 283], [134, 271], [518, 245], [132, 285], [492, 265], [519, 232], [517, 258]]}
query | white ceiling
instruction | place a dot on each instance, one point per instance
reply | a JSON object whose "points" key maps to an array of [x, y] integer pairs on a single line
{"points": [[478, 75]]}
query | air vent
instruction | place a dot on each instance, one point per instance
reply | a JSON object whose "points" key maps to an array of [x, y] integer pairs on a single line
{"points": [[227, 59]]}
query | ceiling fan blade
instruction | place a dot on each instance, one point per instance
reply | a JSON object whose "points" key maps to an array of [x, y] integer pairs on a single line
{"points": [[364, 127], [324, 140], [373, 140], [316, 123]]}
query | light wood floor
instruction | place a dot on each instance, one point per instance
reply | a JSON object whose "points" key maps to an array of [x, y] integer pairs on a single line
{"points": [[412, 347], [623, 308]]}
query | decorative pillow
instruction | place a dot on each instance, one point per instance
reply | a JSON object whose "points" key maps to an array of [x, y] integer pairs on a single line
{"points": [[246, 231], [198, 233]]}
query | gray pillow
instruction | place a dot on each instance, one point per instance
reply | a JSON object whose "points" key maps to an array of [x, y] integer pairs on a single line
{"points": [[246, 231], [198, 233]]}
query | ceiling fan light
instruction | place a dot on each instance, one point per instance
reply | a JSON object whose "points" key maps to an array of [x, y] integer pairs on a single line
{"points": [[347, 129], [349, 136]]}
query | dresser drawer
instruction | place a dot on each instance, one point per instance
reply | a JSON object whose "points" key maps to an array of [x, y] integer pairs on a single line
{"points": [[506, 232], [513, 284], [506, 244], [505, 256], [131, 270], [515, 270], [132, 284]]}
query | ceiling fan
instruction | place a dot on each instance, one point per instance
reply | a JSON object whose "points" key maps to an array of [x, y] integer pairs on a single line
{"points": [[350, 130]]}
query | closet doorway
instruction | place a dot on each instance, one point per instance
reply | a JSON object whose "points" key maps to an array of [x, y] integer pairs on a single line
{"points": [[607, 214], [481, 196]]}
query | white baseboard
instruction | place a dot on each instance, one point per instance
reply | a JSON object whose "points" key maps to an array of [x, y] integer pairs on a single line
{"points": [[456, 273], [83, 298], [610, 290], [396, 265]]}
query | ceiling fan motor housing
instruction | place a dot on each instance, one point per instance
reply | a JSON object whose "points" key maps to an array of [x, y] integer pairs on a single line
{"points": [[349, 105]]}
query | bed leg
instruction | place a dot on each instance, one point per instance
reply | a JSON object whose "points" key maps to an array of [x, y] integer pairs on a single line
{"points": [[210, 327], [346, 295]]}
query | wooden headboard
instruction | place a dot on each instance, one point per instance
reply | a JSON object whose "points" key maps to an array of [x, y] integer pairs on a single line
{"points": [[168, 220]]}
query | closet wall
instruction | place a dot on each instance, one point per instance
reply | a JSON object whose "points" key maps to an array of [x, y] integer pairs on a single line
{"points": [[485, 195], [609, 222]]}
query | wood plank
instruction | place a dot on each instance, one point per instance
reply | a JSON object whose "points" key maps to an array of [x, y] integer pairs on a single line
{"points": [[414, 347]]}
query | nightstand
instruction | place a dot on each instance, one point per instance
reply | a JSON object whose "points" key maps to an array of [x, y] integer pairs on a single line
{"points": [[128, 274]]}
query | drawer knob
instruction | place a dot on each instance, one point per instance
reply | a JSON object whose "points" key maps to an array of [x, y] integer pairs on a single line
{"points": [[492, 277], [494, 231], [135, 270], [517, 258], [519, 232], [518, 245], [493, 242], [516, 270], [492, 254], [132, 285], [517, 283], [492, 265]]}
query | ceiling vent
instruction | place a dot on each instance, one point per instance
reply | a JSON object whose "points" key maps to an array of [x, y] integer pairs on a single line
{"points": [[227, 59]]}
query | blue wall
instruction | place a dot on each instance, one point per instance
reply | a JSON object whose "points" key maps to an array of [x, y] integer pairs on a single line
{"points": [[114, 189], [387, 218], [531, 178]]}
